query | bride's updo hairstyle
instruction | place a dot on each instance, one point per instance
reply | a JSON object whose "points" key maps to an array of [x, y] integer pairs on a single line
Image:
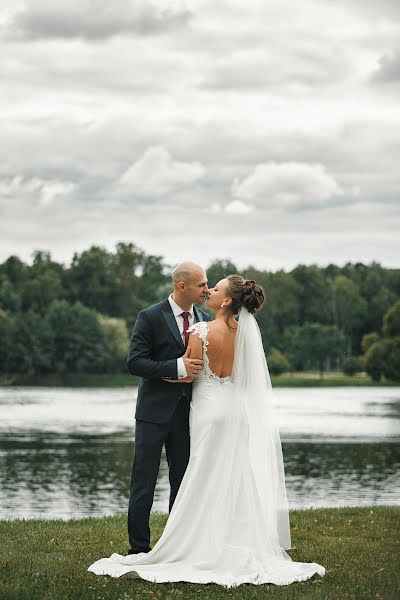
{"points": [[244, 292]]}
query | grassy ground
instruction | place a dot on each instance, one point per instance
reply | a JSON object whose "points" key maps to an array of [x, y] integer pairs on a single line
{"points": [[47, 560], [125, 379]]}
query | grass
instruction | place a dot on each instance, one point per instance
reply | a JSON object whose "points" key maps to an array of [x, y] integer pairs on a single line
{"points": [[300, 379], [47, 560]]}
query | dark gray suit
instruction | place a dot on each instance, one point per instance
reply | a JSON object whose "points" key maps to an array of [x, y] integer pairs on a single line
{"points": [[162, 413]]}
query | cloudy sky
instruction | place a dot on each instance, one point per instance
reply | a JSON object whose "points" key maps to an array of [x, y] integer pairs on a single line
{"points": [[267, 132]]}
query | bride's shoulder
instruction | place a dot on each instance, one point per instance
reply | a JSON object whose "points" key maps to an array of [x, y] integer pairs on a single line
{"points": [[200, 328]]}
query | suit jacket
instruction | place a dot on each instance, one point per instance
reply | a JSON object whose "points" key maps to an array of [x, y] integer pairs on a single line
{"points": [[155, 345]]}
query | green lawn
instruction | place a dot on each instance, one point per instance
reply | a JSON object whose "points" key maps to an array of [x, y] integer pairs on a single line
{"points": [[47, 560]]}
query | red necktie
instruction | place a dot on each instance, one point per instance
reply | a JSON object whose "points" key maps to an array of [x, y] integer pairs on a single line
{"points": [[185, 316]]}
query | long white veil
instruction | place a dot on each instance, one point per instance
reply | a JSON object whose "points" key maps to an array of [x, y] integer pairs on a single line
{"points": [[253, 385]]}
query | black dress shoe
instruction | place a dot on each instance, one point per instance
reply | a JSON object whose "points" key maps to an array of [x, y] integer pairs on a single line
{"points": [[138, 550]]}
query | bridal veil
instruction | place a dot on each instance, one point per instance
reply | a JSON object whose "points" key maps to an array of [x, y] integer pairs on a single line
{"points": [[254, 390]]}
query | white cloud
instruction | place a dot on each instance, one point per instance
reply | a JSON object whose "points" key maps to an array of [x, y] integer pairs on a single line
{"points": [[96, 19], [389, 68], [155, 174], [378, 10], [301, 64], [214, 209], [237, 207], [34, 188], [288, 185], [51, 190]]}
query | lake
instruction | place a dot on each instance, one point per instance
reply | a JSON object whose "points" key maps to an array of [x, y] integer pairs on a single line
{"points": [[67, 452]]}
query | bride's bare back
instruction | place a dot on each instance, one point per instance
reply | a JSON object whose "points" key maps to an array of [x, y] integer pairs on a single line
{"points": [[220, 348]]}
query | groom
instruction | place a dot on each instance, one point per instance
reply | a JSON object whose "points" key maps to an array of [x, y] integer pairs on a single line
{"points": [[156, 354]]}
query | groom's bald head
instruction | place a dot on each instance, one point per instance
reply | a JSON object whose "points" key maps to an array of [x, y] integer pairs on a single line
{"points": [[190, 282], [185, 272]]}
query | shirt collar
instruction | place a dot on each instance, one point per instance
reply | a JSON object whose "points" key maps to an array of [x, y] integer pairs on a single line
{"points": [[176, 309]]}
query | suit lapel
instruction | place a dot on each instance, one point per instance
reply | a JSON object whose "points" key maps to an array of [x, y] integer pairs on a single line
{"points": [[171, 322], [198, 316]]}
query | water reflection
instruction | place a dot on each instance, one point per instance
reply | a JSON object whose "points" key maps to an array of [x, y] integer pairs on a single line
{"points": [[77, 475], [326, 474], [68, 453]]}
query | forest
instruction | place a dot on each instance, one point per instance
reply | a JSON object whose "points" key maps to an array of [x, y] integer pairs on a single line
{"points": [[78, 318]]}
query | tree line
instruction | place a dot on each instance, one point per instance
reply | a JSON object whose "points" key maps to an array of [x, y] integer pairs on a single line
{"points": [[77, 318]]}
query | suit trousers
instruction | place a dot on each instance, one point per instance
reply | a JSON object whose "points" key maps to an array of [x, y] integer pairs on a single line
{"points": [[149, 441]]}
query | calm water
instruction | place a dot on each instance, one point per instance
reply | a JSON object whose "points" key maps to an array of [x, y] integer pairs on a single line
{"points": [[68, 452]]}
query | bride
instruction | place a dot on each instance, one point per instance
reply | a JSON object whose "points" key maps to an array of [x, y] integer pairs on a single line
{"points": [[230, 522]]}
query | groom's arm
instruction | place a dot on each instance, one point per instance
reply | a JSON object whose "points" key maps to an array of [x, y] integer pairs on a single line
{"points": [[139, 361]]}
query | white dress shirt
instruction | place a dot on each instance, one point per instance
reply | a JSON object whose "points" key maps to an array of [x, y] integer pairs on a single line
{"points": [[177, 310]]}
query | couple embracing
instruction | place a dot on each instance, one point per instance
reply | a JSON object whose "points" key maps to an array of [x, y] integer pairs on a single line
{"points": [[205, 393]]}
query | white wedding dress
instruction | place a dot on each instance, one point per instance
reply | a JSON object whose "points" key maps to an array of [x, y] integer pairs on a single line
{"points": [[229, 522]]}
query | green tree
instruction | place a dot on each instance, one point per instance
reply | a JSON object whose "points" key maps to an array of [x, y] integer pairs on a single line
{"points": [[313, 295], [219, 269], [15, 270], [152, 280], [277, 362], [119, 284], [374, 360], [391, 368], [368, 340], [116, 341], [352, 365], [350, 308], [314, 346], [6, 340], [32, 348], [378, 296], [93, 280], [128, 269], [281, 308], [79, 343], [44, 283], [40, 291], [383, 356], [9, 298], [391, 321]]}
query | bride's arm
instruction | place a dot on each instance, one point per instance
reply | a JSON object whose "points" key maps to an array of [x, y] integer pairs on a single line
{"points": [[193, 352]]}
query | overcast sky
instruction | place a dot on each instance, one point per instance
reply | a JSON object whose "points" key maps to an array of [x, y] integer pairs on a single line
{"points": [[267, 132]]}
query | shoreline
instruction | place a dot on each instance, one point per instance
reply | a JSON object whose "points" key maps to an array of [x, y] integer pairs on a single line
{"points": [[306, 379], [156, 515]]}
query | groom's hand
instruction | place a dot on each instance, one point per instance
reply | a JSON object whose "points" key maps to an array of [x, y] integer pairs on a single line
{"points": [[192, 365]]}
